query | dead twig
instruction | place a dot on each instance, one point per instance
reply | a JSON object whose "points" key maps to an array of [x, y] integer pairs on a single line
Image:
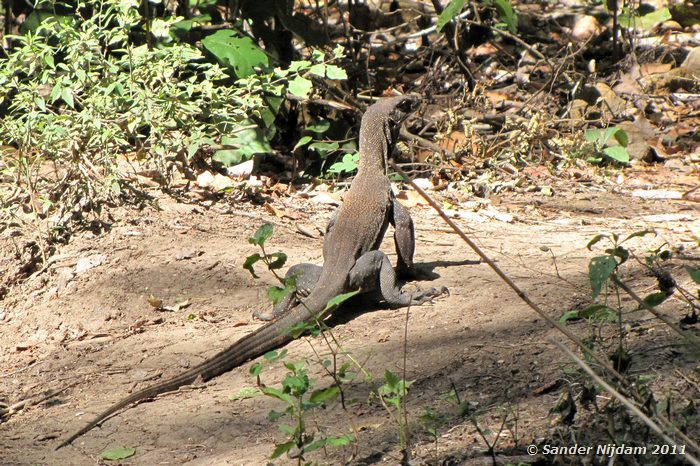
{"points": [[7, 411], [404, 133], [9, 374], [687, 335]]}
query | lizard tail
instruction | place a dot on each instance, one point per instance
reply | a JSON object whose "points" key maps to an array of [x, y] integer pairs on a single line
{"points": [[264, 339]]}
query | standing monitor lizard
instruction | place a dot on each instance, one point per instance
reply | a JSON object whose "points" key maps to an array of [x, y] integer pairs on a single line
{"points": [[351, 259]]}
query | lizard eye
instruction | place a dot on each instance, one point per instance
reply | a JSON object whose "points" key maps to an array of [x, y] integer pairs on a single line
{"points": [[407, 106]]}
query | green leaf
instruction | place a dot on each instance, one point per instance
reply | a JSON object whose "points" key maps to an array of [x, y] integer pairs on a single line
{"points": [[617, 153], [181, 28], [620, 252], [639, 234], [304, 140], [622, 138], [281, 449], [645, 22], [315, 445], [391, 379], [237, 53], [284, 428], [319, 127], [277, 393], [318, 69], [40, 17], [694, 274], [595, 240], [340, 441], [451, 10], [599, 270], [654, 299], [280, 260], [592, 135], [300, 65], [300, 87], [250, 261], [300, 328], [321, 396], [67, 96], [245, 393], [318, 55], [250, 141], [262, 234], [336, 301], [56, 92], [277, 294], [338, 51], [347, 165], [609, 132], [599, 312], [324, 148], [256, 369], [568, 316], [274, 356], [117, 453], [335, 72], [507, 14]]}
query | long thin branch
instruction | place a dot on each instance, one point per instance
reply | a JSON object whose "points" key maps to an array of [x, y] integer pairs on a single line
{"points": [[521, 294], [628, 404], [687, 335]]}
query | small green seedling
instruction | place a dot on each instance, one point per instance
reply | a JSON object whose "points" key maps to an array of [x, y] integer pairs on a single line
{"points": [[603, 152]]}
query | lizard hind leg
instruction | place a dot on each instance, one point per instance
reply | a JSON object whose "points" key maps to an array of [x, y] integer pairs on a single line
{"points": [[307, 276], [373, 271]]}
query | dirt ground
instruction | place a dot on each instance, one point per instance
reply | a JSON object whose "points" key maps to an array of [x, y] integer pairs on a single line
{"points": [[84, 327]]}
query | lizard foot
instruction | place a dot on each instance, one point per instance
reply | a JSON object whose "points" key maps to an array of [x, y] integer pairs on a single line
{"points": [[429, 294], [286, 304], [266, 315]]}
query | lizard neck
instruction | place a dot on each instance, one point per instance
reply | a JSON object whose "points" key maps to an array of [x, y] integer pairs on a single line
{"points": [[375, 147]]}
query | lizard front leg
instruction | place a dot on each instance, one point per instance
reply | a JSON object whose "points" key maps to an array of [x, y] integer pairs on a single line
{"points": [[404, 239]]}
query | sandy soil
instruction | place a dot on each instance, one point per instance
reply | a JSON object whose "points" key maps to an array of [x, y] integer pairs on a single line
{"points": [[84, 327]]}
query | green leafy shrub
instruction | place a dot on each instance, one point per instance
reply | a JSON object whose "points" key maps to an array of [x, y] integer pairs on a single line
{"points": [[84, 96], [79, 93]]}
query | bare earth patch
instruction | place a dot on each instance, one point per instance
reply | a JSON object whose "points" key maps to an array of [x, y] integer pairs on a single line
{"points": [[94, 335]]}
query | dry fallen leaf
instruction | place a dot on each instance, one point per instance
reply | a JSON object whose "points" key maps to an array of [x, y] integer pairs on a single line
{"points": [[410, 198], [586, 26], [496, 98], [280, 213], [156, 303], [455, 141], [324, 198], [242, 170], [205, 179], [651, 68]]}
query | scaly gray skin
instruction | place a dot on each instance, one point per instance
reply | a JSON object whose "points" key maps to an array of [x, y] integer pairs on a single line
{"points": [[307, 275], [351, 258]]}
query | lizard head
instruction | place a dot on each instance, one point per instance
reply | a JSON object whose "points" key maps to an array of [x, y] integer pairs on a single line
{"points": [[380, 126]]}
